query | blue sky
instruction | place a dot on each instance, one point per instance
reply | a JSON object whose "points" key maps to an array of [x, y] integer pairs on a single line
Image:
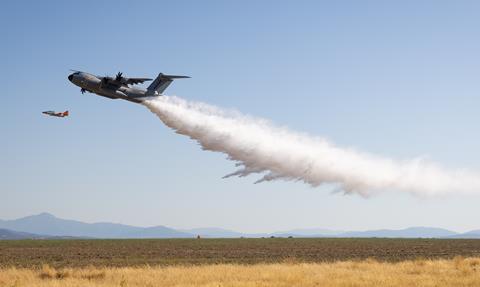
{"points": [[398, 79]]}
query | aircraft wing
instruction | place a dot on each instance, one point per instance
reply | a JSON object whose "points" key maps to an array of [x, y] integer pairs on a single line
{"points": [[134, 81]]}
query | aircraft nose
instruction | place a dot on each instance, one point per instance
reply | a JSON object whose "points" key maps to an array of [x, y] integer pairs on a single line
{"points": [[70, 77]]}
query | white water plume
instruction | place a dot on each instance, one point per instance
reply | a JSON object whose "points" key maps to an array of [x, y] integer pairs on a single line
{"points": [[278, 153]]}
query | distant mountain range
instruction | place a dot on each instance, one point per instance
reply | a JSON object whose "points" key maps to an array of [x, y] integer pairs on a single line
{"points": [[50, 225], [46, 225], [412, 232]]}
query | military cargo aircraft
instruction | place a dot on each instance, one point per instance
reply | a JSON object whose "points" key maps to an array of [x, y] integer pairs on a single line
{"points": [[119, 87], [54, 114]]}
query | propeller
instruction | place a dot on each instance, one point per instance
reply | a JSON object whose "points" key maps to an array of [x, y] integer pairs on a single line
{"points": [[119, 77], [83, 90]]}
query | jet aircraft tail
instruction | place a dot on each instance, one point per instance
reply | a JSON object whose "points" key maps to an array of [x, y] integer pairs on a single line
{"points": [[161, 83], [65, 113]]}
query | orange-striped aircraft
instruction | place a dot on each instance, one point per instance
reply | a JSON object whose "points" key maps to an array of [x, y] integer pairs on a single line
{"points": [[54, 114]]}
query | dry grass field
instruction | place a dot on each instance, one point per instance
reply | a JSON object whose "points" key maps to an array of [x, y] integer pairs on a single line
{"points": [[441, 272]]}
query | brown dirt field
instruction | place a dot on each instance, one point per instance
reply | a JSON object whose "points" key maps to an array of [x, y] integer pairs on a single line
{"points": [[171, 252]]}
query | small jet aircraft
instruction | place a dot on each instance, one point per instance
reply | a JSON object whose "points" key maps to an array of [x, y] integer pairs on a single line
{"points": [[54, 114], [119, 87]]}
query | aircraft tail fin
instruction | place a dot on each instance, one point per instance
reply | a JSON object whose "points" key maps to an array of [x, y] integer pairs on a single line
{"points": [[162, 82], [65, 113]]}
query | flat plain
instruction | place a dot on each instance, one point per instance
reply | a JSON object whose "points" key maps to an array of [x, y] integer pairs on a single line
{"points": [[186, 252]]}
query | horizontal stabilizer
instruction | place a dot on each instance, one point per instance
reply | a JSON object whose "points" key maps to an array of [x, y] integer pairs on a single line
{"points": [[175, 77]]}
